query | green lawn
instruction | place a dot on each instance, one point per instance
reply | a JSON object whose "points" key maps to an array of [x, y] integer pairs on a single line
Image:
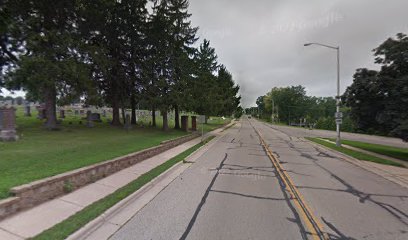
{"points": [[399, 153], [80, 219], [354, 154], [40, 153]]}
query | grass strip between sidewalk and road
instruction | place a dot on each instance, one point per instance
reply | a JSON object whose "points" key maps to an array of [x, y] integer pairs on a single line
{"points": [[354, 154], [80, 219], [395, 152]]}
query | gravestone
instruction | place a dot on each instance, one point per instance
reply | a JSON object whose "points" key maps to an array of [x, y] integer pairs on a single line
{"points": [[194, 123], [62, 113], [8, 124], [42, 113], [89, 122], [184, 123], [96, 117], [27, 110], [128, 125]]}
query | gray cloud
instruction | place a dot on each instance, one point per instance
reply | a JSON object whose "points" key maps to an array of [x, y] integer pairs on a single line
{"points": [[261, 42]]}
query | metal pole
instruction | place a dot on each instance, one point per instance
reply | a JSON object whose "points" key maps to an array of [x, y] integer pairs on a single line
{"points": [[259, 116], [273, 111], [338, 117], [338, 140]]}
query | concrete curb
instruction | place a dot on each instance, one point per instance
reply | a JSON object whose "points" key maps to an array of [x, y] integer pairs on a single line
{"points": [[92, 226], [161, 181], [404, 163], [368, 166], [199, 152], [37, 192]]}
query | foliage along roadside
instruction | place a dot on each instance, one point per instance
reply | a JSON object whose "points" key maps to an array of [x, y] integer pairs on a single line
{"points": [[112, 53]]}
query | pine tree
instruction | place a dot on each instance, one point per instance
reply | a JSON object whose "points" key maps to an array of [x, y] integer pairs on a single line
{"points": [[51, 65], [113, 31], [227, 92], [204, 87], [182, 37]]}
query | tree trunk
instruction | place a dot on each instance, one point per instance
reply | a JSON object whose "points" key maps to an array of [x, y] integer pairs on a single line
{"points": [[165, 121], [176, 118], [153, 116], [133, 106], [50, 102], [115, 110]]}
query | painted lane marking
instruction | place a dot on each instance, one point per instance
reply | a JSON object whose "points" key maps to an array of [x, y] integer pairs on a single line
{"points": [[312, 223]]}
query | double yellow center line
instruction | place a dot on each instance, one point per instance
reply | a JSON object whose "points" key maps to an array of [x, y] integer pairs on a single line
{"points": [[313, 225]]}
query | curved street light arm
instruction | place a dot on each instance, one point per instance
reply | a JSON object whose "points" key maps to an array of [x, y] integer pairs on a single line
{"points": [[320, 44]]}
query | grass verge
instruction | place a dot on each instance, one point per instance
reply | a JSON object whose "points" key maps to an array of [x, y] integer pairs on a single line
{"points": [[40, 153], [399, 153], [354, 154], [80, 219]]}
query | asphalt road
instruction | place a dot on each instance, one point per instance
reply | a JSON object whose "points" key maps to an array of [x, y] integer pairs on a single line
{"points": [[304, 132], [233, 192]]}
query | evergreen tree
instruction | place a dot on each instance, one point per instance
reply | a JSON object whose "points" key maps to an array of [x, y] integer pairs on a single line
{"points": [[158, 75], [182, 37], [10, 39], [204, 86], [228, 93], [51, 67], [113, 33]]}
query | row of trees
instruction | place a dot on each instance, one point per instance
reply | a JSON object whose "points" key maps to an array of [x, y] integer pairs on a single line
{"points": [[291, 105], [112, 52]]}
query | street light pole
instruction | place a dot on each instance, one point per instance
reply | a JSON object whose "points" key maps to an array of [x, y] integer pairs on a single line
{"points": [[338, 114], [338, 139], [273, 111]]}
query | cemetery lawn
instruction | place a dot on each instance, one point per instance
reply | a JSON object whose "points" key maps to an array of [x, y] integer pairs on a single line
{"points": [[40, 153], [67, 227]]}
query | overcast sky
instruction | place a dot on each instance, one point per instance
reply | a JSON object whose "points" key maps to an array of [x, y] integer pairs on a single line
{"points": [[261, 41]]}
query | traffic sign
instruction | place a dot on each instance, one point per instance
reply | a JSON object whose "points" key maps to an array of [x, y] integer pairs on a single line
{"points": [[201, 119], [339, 121], [338, 115]]}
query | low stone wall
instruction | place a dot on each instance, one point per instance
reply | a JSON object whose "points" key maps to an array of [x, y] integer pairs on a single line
{"points": [[32, 194]]}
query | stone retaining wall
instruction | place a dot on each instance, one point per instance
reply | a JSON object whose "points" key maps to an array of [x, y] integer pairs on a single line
{"points": [[32, 194]]}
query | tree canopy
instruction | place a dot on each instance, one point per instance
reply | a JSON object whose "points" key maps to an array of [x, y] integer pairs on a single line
{"points": [[112, 53], [379, 99]]}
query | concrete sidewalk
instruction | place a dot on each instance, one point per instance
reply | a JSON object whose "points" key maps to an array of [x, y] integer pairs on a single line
{"points": [[402, 162], [397, 175], [114, 218], [32, 222]]}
